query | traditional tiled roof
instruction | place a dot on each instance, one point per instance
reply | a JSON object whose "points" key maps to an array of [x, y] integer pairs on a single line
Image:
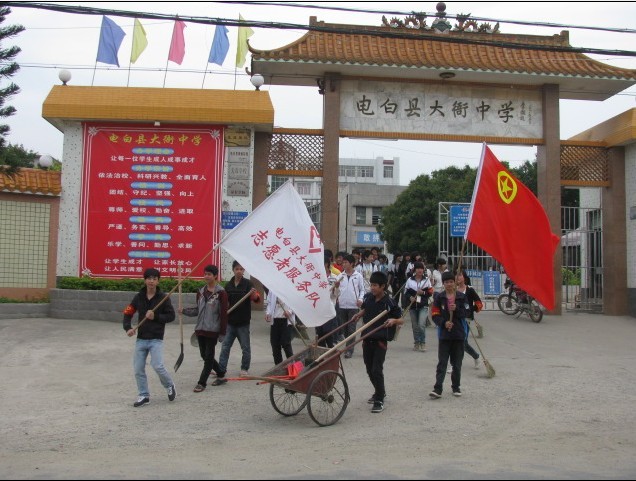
{"points": [[33, 181], [409, 50], [67, 102]]}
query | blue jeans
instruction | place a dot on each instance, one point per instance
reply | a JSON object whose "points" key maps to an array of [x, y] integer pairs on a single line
{"points": [[418, 321], [242, 333], [154, 347]]}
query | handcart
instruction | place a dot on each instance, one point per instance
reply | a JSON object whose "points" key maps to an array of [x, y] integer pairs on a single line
{"points": [[314, 378]]}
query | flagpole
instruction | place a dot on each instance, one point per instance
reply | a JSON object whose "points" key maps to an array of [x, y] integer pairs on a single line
{"points": [[165, 73], [235, 69], [94, 70], [205, 71]]}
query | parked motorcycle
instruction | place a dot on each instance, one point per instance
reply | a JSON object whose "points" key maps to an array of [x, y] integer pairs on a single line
{"points": [[517, 301]]}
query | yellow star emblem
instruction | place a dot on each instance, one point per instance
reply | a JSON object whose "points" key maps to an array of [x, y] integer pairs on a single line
{"points": [[507, 187]]}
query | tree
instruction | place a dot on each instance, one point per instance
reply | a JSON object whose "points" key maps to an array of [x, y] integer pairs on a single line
{"points": [[8, 68], [411, 222]]}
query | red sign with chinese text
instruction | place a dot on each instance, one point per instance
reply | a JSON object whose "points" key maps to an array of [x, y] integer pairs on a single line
{"points": [[151, 197]]}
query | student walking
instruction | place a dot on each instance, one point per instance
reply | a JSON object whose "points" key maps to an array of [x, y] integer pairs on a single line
{"points": [[281, 318], [211, 326], [150, 335], [449, 315], [351, 287], [374, 346], [417, 292], [238, 322], [474, 305]]}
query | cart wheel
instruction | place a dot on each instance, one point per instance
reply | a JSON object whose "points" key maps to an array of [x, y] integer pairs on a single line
{"points": [[327, 398], [286, 401], [534, 311], [508, 304]]}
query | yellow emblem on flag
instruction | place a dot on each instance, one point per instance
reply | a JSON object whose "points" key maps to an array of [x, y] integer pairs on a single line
{"points": [[507, 187]]}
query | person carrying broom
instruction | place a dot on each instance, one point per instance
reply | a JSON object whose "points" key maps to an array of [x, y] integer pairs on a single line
{"points": [[449, 312]]}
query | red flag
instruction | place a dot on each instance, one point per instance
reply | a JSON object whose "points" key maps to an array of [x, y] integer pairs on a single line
{"points": [[508, 222], [177, 46]]}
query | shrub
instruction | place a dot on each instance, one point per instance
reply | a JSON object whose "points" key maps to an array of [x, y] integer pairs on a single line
{"points": [[100, 284]]}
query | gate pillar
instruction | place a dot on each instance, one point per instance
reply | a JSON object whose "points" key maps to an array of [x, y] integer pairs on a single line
{"points": [[615, 237], [331, 127], [549, 179]]}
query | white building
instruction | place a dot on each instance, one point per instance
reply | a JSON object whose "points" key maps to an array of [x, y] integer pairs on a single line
{"points": [[365, 187]]}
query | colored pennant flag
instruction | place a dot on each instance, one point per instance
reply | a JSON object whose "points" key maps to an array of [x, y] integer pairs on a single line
{"points": [[241, 47], [110, 38], [509, 222], [278, 244], [177, 46], [139, 42], [220, 45]]}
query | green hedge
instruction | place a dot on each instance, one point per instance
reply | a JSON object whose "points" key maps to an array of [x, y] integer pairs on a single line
{"points": [[98, 284], [35, 300]]}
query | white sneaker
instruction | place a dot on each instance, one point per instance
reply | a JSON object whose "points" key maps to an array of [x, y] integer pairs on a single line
{"points": [[477, 363], [244, 374]]}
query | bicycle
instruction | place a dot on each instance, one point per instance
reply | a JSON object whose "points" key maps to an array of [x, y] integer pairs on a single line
{"points": [[517, 301]]}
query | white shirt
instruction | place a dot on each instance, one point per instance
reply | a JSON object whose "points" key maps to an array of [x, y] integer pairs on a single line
{"points": [[351, 290], [275, 308], [366, 270]]}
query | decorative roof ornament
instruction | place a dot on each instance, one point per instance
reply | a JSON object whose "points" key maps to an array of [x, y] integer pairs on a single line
{"points": [[417, 21], [441, 24]]}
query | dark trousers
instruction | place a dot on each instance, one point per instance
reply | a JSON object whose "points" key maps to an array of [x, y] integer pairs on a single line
{"points": [[280, 337], [374, 354], [453, 349], [325, 330], [469, 349], [206, 348], [345, 316]]}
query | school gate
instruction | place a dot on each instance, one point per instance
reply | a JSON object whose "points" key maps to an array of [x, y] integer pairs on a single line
{"points": [[411, 79], [581, 247]]}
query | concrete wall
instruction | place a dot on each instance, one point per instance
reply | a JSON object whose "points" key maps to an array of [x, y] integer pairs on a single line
{"points": [[23, 310], [100, 305], [630, 204]]}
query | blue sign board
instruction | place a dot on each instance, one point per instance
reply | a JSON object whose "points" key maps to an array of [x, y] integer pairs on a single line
{"points": [[492, 283], [473, 273], [370, 238], [229, 219], [458, 220]]}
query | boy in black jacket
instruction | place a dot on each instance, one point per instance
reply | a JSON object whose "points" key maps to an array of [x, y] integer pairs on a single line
{"points": [[449, 312], [150, 335], [238, 321], [374, 346]]}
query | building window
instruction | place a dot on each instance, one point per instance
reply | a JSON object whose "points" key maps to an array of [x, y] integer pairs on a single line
{"points": [[303, 188], [365, 172], [277, 181], [361, 215], [376, 215], [388, 171], [347, 171]]}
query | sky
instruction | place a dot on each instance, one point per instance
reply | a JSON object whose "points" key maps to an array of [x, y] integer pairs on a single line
{"points": [[54, 41]]}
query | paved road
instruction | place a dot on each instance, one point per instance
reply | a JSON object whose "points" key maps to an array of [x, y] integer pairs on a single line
{"points": [[562, 405]]}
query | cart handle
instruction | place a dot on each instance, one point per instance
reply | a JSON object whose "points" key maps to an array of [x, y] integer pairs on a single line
{"points": [[329, 355], [352, 336]]}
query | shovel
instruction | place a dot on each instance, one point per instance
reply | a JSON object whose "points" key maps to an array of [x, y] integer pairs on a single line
{"points": [[180, 358]]}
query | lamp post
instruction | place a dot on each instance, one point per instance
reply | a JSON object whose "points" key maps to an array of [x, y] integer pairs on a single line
{"points": [[45, 161], [257, 81], [64, 76]]}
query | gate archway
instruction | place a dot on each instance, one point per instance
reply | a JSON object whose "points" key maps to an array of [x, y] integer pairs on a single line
{"points": [[354, 67]]}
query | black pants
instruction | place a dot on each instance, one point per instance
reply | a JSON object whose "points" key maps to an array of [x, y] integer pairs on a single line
{"points": [[374, 354], [206, 348], [280, 337], [324, 330], [453, 349]]}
